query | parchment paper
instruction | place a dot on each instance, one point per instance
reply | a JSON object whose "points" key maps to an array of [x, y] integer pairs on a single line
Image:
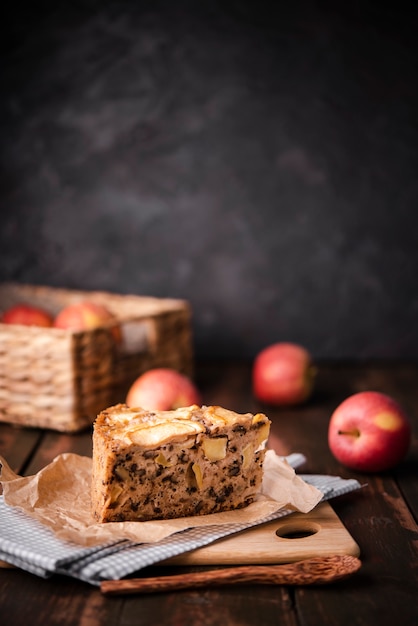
{"points": [[59, 497]]}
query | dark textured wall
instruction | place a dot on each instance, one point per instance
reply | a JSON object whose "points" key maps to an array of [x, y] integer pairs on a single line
{"points": [[262, 165]]}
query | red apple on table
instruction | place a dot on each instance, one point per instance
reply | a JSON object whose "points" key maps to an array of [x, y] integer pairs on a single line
{"points": [[27, 315], [283, 374], [162, 389], [369, 432], [86, 315]]}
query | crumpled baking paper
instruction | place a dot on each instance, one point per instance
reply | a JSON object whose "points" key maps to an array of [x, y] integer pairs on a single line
{"points": [[59, 497]]}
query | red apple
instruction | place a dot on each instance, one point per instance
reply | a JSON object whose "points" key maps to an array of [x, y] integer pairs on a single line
{"points": [[162, 389], [283, 374], [27, 315], [86, 315], [369, 432]]}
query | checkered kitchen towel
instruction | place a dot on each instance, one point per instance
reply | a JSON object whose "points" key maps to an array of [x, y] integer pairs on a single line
{"points": [[29, 545]]}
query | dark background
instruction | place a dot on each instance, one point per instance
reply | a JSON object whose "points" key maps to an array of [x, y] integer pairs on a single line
{"points": [[260, 163]]}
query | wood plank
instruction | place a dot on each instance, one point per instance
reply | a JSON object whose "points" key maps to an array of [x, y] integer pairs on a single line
{"points": [[58, 601], [17, 444], [384, 591], [237, 606], [299, 536], [55, 443]]}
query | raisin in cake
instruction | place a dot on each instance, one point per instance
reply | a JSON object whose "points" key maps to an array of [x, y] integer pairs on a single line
{"points": [[165, 464]]}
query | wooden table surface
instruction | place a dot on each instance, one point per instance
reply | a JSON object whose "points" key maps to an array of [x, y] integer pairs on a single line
{"points": [[382, 519]]}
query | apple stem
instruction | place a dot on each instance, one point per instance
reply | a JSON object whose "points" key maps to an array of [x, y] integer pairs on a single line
{"points": [[354, 433]]}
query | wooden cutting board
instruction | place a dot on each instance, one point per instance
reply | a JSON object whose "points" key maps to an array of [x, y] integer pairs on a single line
{"points": [[292, 538]]}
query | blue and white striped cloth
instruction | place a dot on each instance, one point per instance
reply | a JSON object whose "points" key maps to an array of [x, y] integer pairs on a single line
{"points": [[27, 544]]}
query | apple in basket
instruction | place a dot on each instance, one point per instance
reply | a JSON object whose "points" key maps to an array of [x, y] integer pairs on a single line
{"points": [[369, 432], [27, 315], [86, 315], [162, 389], [283, 374]]}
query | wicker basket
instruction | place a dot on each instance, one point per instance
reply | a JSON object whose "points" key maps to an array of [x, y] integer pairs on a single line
{"points": [[60, 379]]}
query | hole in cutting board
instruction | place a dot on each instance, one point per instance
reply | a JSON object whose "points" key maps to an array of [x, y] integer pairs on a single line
{"points": [[297, 531]]}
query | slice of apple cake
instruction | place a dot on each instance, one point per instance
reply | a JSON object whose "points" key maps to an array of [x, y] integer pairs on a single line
{"points": [[166, 464]]}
